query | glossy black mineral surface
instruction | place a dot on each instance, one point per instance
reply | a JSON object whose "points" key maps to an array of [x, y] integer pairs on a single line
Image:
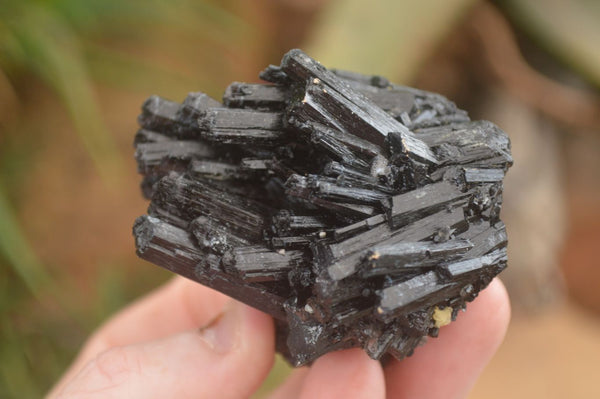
{"points": [[356, 212]]}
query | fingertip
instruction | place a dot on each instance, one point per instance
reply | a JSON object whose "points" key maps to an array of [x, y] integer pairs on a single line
{"points": [[344, 374], [258, 321], [292, 386], [496, 299], [241, 370], [449, 365], [481, 329], [259, 342]]}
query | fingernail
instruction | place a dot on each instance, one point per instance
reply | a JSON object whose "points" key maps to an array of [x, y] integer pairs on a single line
{"points": [[222, 332]]}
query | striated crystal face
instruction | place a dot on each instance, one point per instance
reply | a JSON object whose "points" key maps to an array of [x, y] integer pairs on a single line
{"points": [[356, 212]]}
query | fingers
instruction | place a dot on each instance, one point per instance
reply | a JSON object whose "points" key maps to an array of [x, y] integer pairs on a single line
{"points": [[217, 364], [227, 359], [177, 306], [292, 386], [344, 374], [448, 366]]}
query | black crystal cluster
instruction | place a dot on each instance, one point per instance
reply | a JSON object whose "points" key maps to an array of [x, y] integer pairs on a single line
{"points": [[358, 213]]}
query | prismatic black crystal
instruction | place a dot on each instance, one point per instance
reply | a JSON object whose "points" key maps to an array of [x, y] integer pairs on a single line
{"points": [[356, 212]]}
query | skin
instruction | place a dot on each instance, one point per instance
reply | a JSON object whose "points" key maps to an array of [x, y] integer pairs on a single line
{"points": [[187, 341]]}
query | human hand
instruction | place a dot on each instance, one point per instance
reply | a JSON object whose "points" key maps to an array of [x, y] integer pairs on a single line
{"points": [[154, 349]]}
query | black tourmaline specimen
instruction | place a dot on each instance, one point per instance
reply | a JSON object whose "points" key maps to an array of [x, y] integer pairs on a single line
{"points": [[356, 212]]}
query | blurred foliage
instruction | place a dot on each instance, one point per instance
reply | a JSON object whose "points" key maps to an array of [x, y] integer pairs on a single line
{"points": [[51, 39], [17, 251], [37, 38], [569, 30], [67, 46]]}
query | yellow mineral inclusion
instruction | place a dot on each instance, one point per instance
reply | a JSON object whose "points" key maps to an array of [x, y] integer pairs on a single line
{"points": [[442, 317]]}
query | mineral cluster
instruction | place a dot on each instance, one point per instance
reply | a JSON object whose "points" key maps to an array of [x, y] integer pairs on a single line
{"points": [[358, 213]]}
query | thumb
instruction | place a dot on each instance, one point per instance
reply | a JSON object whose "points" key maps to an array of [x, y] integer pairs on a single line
{"points": [[229, 358]]}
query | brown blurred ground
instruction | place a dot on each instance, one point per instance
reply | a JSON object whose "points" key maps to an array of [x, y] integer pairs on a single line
{"points": [[551, 355]]}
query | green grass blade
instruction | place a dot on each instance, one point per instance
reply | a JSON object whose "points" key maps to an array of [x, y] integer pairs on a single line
{"points": [[17, 251], [45, 46]]}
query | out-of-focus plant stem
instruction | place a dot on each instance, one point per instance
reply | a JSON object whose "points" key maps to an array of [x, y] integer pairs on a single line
{"points": [[15, 248], [37, 40]]}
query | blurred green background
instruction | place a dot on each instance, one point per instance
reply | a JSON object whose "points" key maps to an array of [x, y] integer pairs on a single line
{"points": [[74, 73]]}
